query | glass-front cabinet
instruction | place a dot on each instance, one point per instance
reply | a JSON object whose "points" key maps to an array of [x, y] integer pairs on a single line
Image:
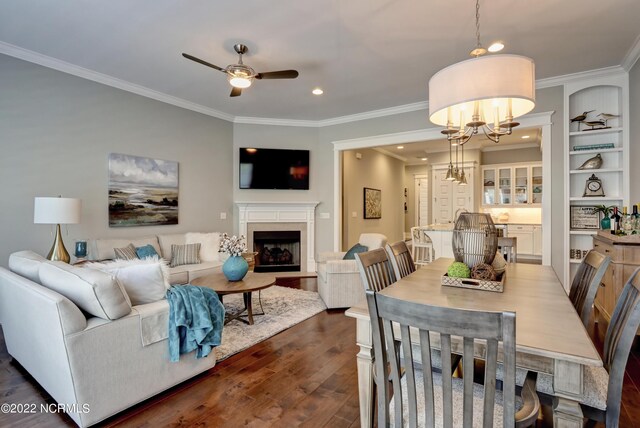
{"points": [[512, 185]]}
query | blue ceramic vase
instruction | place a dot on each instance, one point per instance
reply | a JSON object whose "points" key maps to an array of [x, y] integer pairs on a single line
{"points": [[235, 268]]}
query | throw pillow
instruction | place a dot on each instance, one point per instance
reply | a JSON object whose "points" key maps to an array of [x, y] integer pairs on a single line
{"points": [[146, 252], [146, 281], [351, 254], [209, 245], [126, 253], [97, 293], [27, 264], [187, 254]]}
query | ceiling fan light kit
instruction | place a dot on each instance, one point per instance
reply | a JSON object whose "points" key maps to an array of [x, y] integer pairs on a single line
{"points": [[241, 76], [485, 92]]}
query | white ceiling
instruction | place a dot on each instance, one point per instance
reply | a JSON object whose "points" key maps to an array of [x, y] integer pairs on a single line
{"points": [[365, 54]]}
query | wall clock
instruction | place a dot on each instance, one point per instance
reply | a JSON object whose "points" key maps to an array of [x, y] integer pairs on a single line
{"points": [[593, 187]]}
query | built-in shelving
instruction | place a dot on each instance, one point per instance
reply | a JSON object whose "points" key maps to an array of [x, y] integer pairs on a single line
{"points": [[607, 94]]}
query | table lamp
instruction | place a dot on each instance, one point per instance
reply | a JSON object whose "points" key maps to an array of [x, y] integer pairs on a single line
{"points": [[57, 211]]}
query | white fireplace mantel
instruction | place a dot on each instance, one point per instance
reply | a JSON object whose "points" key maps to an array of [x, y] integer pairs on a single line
{"points": [[282, 212]]}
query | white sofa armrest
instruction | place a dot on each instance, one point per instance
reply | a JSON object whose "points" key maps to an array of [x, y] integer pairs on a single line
{"points": [[328, 255], [342, 266]]}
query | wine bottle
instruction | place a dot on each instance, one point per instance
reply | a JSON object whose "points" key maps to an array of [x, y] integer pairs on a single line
{"points": [[615, 221], [634, 214]]}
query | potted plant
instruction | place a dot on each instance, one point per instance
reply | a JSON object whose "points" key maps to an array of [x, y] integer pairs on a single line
{"points": [[605, 222]]}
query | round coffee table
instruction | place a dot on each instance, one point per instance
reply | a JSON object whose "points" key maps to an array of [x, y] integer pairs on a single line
{"points": [[250, 283]]}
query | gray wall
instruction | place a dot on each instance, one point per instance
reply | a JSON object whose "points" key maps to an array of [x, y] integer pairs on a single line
{"points": [[56, 131], [634, 134], [378, 171]]}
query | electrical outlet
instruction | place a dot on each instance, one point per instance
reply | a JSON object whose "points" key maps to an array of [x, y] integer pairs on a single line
{"points": [[223, 216], [354, 214]]}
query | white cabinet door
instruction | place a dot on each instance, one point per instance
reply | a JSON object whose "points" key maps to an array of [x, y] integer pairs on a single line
{"points": [[525, 238], [537, 240]]}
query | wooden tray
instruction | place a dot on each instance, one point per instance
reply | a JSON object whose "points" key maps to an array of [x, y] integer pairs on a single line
{"points": [[475, 284]]}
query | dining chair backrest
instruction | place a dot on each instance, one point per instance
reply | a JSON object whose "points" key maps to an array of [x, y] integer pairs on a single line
{"points": [[375, 269], [509, 248], [488, 327], [401, 259], [618, 341], [586, 282], [421, 246]]}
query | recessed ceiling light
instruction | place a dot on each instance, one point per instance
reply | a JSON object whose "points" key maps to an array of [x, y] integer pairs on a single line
{"points": [[524, 137], [423, 159], [317, 91], [400, 147], [496, 47]]}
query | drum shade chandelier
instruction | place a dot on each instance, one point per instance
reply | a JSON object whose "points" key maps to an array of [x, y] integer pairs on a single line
{"points": [[485, 92]]}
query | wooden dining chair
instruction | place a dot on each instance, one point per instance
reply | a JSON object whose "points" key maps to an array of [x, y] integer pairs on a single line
{"points": [[421, 246], [586, 282], [509, 248], [424, 398], [401, 259], [375, 269], [617, 345]]}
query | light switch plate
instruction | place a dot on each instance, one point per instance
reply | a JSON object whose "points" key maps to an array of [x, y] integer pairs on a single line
{"points": [[354, 214], [223, 216]]}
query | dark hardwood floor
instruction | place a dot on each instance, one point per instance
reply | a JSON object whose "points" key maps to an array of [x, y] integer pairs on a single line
{"points": [[304, 376]]}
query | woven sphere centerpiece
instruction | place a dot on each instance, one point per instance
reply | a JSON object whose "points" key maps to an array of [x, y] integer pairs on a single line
{"points": [[475, 239]]}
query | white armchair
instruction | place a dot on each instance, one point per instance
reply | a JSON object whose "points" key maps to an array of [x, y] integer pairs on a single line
{"points": [[339, 282]]}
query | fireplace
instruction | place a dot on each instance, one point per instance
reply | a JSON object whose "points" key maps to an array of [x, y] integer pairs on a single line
{"points": [[281, 216], [278, 250]]}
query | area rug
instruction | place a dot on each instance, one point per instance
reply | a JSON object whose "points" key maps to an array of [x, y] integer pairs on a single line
{"points": [[283, 308]]}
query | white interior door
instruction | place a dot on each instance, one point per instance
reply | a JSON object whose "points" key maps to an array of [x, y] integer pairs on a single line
{"points": [[422, 200], [442, 211]]}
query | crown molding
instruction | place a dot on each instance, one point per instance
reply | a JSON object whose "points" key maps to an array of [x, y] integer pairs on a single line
{"points": [[632, 56], [582, 75], [65, 67], [422, 105]]}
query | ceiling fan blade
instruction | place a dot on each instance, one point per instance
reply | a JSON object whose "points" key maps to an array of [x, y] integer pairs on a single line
{"points": [[282, 74], [200, 61], [235, 92]]}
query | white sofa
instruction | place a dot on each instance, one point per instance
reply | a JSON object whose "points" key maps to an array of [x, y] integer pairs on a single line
{"points": [[339, 283], [102, 249], [80, 358]]}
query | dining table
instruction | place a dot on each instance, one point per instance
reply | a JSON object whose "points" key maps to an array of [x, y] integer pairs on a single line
{"points": [[550, 337]]}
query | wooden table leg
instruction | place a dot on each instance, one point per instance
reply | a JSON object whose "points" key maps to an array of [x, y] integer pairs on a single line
{"points": [[568, 387], [365, 373]]}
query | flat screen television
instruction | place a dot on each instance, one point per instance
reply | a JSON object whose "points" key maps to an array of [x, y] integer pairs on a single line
{"points": [[274, 169]]}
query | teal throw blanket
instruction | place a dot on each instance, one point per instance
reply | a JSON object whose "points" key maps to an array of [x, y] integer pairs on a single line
{"points": [[196, 318]]}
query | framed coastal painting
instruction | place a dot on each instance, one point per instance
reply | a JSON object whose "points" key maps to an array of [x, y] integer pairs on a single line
{"points": [[372, 203], [142, 191]]}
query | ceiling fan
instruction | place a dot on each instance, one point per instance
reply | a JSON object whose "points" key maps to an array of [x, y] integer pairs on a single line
{"points": [[241, 76]]}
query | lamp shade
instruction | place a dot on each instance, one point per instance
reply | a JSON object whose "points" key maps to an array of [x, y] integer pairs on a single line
{"points": [[56, 210], [496, 82]]}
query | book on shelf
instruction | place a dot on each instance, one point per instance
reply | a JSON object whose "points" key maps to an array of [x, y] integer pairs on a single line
{"points": [[601, 146]]}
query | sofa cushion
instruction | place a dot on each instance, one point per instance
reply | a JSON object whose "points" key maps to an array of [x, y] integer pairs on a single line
{"points": [[96, 292], [145, 281], [146, 251], [187, 254], [351, 254], [166, 241], [26, 264], [186, 273], [209, 245], [104, 247], [372, 240], [126, 253]]}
